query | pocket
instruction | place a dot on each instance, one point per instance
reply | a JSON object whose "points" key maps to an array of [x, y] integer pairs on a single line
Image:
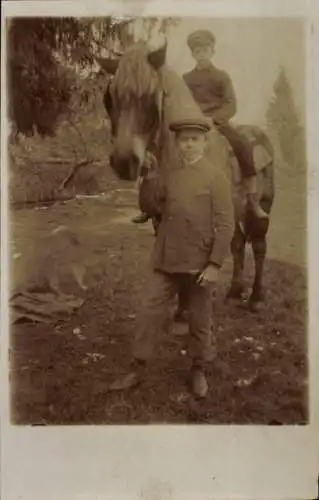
{"points": [[202, 204], [205, 193], [208, 242], [202, 201]]}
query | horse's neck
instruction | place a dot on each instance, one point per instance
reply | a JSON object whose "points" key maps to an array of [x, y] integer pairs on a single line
{"points": [[166, 150]]}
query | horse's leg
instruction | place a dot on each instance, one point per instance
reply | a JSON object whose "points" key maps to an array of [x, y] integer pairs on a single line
{"points": [[238, 252], [258, 230], [155, 224], [182, 307], [257, 296]]}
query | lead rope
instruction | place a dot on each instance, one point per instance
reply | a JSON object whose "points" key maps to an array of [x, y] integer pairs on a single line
{"points": [[153, 150]]}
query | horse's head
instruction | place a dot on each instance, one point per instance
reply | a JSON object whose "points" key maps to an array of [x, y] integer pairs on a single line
{"points": [[133, 101]]}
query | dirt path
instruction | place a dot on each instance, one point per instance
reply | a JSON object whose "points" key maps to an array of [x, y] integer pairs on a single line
{"points": [[60, 371]]}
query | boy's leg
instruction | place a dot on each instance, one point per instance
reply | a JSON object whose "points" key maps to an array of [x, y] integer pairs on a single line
{"points": [[202, 342], [154, 317], [243, 151]]}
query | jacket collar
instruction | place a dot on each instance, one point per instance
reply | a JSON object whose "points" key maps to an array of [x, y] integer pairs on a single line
{"points": [[208, 66]]}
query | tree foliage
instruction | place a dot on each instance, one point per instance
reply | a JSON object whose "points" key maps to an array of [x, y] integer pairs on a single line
{"points": [[45, 56], [283, 120]]}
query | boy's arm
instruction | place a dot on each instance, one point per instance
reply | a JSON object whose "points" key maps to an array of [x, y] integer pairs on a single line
{"points": [[229, 106], [223, 216]]}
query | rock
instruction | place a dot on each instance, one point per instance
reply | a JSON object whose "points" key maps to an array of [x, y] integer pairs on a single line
{"points": [[127, 382]]}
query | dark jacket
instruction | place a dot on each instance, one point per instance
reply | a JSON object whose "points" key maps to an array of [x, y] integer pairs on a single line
{"points": [[213, 90], [196, 209]]}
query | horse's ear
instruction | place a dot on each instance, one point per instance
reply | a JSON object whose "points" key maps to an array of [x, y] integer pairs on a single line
{"points": [[108, 65], [157, 57]]}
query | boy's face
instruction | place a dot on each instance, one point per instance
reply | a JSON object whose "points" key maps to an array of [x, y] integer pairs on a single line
{"points": [[191, 144], [203, 54]]}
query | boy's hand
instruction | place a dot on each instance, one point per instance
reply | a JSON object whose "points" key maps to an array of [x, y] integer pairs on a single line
{"points": [[148, 169], [149, 165], [209, 276], [219, 122]]}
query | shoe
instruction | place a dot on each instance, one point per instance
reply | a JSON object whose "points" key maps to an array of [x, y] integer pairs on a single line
{"points": [[140, 218], [199, 383], [255, 207]]}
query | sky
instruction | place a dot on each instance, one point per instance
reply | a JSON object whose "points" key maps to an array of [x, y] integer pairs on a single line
{"points": [[251, 51]]}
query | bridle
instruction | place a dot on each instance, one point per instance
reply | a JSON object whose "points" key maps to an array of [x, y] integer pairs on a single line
{"points": [[156, 141]]}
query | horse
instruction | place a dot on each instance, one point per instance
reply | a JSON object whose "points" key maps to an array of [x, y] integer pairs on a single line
{"points": [[141, 99]]}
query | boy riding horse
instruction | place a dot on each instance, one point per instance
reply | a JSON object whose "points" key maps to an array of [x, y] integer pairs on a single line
{"points": [[213, 91]]}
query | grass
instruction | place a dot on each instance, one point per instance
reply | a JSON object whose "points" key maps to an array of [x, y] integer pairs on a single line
{"points": [[60, 372]]}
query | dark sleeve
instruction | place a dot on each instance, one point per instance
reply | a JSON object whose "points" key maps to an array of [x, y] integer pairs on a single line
{"points": [[152, 194], [223, 216], [229, 105]]}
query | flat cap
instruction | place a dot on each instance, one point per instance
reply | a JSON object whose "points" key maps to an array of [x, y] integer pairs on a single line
{"points": [[200, 37], [190, 123]]}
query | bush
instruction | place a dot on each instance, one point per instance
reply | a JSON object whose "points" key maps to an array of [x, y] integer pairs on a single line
{"points": [[40, 87], [283, 122], [39, 165]]}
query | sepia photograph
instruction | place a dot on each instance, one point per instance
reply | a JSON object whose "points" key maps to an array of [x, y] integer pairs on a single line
{"points": [[158, 227], [159, 200]]}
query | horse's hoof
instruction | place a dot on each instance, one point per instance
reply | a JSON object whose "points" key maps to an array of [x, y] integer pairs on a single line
{"points": [[235, 292], [180, 316], [256, 305]]}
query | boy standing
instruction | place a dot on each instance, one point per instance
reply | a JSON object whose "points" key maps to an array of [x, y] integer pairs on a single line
{"points": [[195, 204], [213, 91]]}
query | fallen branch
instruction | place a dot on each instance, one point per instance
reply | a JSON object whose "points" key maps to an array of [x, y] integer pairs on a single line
{"points": [[71, 122], [65, 183]]}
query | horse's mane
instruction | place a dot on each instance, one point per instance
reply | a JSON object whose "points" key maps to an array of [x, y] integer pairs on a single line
{"points": [[135, 78]]}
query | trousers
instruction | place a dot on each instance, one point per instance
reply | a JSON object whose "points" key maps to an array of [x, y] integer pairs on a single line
{"points": [[241, 147], [155, 316]]}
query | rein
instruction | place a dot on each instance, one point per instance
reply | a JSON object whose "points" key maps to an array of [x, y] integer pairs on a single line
{"points": [[157, 141]]}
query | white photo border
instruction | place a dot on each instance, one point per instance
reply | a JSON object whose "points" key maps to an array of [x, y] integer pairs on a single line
{"points": [[167, 462]]}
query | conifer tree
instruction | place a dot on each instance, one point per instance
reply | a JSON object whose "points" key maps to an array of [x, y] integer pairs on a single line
{"points": [[283, 121], [43, 60]]}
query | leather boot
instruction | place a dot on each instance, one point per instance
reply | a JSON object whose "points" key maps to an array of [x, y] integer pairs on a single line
{"points": [[141, 218], [199, 382], [252, 199]]}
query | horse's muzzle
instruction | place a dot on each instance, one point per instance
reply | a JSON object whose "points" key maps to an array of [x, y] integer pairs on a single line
{"points": [[126, 167]]}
